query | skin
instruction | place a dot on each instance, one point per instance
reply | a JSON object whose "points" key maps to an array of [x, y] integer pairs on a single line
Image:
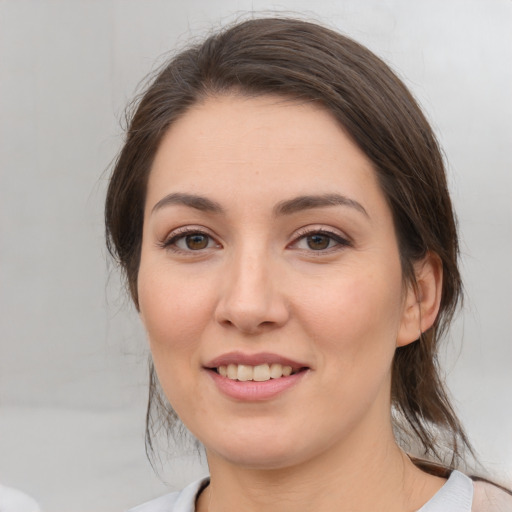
{"points": [[257, 285]]}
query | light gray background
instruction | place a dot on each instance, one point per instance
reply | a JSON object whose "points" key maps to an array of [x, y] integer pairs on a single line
{"points": [[73, 356]]}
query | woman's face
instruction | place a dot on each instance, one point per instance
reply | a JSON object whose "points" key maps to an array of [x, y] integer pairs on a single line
{"points": [[268, 247]]}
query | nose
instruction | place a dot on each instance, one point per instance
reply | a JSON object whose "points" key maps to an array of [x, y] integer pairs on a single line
{"points": [[252, 299]]}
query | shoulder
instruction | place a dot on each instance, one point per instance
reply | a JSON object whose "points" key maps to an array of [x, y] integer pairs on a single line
{"points": [[12, 500], [462, 494], [162, 504], [455, 495], [490, 498], [181, 501]]}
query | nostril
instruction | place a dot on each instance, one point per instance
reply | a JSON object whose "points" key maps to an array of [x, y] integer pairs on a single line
{"points": [[250, 312]]}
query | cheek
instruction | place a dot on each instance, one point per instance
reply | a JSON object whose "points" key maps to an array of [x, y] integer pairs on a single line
{"points": [[173, 311], [356, 315], [174, 315]]}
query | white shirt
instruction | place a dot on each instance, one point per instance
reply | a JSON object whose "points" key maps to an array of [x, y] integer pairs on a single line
{"points": [[12, 500], [458, 494]]}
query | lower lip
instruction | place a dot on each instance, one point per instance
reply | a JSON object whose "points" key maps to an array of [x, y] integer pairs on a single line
{"points": [[255, 391]]}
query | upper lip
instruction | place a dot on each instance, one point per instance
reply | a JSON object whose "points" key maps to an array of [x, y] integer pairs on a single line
{"points": [[253, 360]]}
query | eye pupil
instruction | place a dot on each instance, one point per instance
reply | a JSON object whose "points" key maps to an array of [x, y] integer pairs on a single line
{"points": [[318, 242], [196, 241]]}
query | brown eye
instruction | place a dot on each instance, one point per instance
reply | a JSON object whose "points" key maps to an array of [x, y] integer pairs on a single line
{"points": [[318, 242], [190, 240], [197, 241]]}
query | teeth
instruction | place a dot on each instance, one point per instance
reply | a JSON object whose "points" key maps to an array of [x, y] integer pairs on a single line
{"points": [[245, 372], [232, 372], [260, 373], [287, 370], [276, 371]]}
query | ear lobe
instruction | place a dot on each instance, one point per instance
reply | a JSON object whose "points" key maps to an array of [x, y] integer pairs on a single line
{"points": [[422, 300]]}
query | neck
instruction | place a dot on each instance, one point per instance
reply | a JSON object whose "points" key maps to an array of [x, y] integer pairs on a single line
{"points": [[356, 477]]}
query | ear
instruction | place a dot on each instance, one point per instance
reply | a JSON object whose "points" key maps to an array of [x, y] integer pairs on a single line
{"points": [[422, 300]]}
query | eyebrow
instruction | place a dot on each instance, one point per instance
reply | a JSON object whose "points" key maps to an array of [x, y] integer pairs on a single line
{"points": [[317, 201], [193, 201], [287, 207]]}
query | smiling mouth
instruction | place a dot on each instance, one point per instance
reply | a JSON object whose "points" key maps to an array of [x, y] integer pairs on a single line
{"points": [[258, 373]]}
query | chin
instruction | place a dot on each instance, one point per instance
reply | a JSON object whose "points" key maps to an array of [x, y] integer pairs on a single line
{"points": [[258, 452], [256, 459]]}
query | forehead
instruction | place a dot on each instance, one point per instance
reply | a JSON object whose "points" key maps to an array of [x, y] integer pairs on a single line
{"points": [[263, 147], [274, 123]]}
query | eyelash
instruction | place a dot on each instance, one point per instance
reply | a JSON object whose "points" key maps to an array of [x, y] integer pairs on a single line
{"points": [[340, 241], [180, 233], [170, 243]]}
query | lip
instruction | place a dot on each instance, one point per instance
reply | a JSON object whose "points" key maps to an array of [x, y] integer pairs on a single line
{"points": [[253, 391], [253, 360]]}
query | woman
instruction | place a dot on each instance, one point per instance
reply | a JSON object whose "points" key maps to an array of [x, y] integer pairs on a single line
{"points": [[281, 213]]}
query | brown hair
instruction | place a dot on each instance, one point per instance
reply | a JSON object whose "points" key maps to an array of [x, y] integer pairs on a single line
{"points": [[305, 61]]}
